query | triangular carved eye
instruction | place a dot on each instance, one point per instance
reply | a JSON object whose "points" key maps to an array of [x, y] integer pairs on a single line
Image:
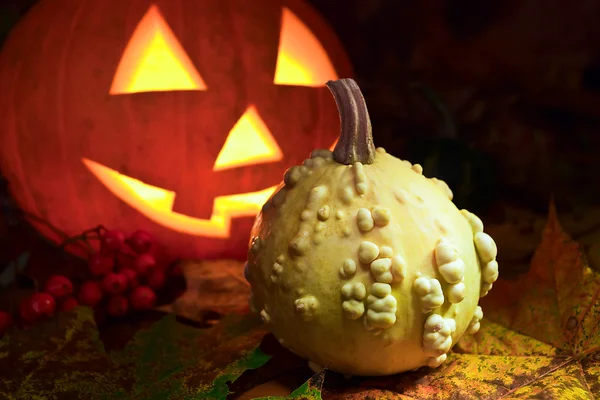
{"points": [[249, 142], [154, 60], [301, 60]]}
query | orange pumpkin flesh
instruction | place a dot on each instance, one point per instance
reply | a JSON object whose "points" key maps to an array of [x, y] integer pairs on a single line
{"points": [[165, 116]]}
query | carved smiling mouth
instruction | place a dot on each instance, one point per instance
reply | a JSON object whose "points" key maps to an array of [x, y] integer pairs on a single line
{"points": [[157, 203]]}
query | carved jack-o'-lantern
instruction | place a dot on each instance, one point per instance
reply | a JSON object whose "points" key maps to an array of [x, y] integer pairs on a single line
{"points": [[175, 116]]}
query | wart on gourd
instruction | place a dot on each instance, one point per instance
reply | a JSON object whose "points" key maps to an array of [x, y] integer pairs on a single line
{"points": [[385, 263]]}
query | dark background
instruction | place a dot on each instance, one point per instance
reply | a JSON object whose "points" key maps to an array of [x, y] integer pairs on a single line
{"points": [[499, 98]]}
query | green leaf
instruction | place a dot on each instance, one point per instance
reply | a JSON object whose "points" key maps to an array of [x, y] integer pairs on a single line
{"points": [[219, 389], [11, 271], [171, 360], [233, 348], [154, 354], [309, 390]]}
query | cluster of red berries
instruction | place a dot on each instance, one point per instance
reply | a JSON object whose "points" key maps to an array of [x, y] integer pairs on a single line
{"points": [[125, 276]]}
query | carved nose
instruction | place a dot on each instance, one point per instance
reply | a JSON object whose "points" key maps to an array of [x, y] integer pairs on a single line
{"points": [[249, 142]]}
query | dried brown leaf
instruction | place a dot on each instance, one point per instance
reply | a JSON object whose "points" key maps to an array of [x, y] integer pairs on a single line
{"points": [[212, 286]]}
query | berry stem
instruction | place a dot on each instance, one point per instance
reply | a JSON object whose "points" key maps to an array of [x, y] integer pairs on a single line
{"points": [[356, 138], [83, 237], [27, 215], [66, 239]]}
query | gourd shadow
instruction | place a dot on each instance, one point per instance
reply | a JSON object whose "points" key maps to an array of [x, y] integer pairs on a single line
{"points": [[285, 372], [336, 384]]}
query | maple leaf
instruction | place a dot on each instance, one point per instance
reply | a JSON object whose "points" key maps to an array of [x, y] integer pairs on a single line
{"points": [[558, 303], [540, 339]]}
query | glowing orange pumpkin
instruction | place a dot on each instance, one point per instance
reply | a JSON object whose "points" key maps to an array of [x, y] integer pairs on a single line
{"points": [[176, 116]]}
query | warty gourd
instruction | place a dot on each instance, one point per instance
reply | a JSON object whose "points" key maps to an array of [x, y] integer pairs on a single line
{"points": [[361, 264]]}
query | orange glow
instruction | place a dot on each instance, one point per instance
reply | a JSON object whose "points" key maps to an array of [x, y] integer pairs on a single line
{"points": [[154, 60], [301, 60], [332, 147], [157, 204], [249, 142]]}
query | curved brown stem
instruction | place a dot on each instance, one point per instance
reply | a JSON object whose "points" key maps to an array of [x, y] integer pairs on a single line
{"points": [[84, 237], [80, 240], [356, 138], [27, 215]]}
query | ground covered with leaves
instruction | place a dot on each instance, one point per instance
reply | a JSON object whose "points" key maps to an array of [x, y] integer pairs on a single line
{"points": [[540, 339]]}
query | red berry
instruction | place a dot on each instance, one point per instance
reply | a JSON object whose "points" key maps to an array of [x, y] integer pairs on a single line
{"points": [[101, 264], [140, 242], [142, 298], [59, 286], [6, 322], [115, 283], [112, 241], [144, 263], [43, 304], [118, 306], [69, 304], [26, 312], [156, 279], [90, 293], [132, 279]]}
